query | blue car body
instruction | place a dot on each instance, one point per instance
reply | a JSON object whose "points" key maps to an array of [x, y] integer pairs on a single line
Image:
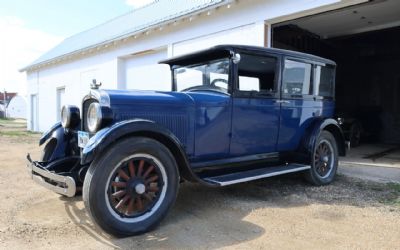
{"points": [[209, 130]]}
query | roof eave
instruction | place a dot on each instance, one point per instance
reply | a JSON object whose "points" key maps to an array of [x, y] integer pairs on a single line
{"points": [[122, 37]]}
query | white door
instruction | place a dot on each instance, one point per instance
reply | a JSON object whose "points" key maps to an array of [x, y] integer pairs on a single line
{"points": [[143, 72], [34, 113], [60, 102]]}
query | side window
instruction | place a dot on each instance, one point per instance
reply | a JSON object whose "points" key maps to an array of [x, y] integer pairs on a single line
{"points": [[297, 79], [324, 81], [257, 73]]}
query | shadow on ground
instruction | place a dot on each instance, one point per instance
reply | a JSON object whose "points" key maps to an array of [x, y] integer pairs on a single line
{"points": [[217, 216]]}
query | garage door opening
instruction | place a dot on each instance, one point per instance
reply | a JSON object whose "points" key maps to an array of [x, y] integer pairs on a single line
{"points": [[364, 41]]}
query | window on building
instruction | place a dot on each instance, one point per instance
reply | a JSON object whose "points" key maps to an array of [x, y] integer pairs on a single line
{"points": [[297, 79], [257, 73], [60, 101]]}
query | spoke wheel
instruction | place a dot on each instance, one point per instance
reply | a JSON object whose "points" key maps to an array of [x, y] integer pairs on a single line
{"points": [[135, 186], [323, 158], [131, 187]]}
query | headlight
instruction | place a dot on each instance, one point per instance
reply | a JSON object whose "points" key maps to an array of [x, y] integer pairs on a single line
{"points": [[70, 116], [94, 117]]}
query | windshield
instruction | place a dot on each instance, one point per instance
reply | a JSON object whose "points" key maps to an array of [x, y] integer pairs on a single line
{"points": [[211, 76]]}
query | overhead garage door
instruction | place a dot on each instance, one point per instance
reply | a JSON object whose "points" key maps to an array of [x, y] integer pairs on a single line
{"points": [[143, 73], [252, 34], [364, 41]]}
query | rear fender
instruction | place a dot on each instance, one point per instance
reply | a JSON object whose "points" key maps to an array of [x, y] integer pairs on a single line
{"points": [[313, 132]]}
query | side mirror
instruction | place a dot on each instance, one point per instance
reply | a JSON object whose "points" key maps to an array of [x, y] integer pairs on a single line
{"points": [[236, 58]]}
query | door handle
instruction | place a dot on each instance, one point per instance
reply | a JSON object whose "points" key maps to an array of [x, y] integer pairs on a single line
{"points": [[282, 102]]}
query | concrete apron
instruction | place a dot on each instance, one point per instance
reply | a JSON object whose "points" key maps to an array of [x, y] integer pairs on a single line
{"points": [[374, 162]]}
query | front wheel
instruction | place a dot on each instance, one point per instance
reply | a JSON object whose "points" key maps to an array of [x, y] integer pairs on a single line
{"points": [[129, 189], [324, 161]]}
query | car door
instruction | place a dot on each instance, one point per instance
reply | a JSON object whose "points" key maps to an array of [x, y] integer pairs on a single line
{"points": [[298, 105], [255, 105], [207, 84]]}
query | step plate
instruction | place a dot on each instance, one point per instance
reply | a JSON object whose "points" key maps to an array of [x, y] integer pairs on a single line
{"points": [[229, 179]]}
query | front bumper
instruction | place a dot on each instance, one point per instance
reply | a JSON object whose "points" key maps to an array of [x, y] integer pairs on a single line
{"points": [[60, 184]]}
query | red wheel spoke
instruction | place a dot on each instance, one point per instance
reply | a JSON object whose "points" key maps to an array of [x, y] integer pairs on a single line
{"points": [[141, 164], [152, 178], [118, 184], [123, 175], [122, 202], [148, 197], [119, 194], [129, 210], [131, 169], [139, 204], [153, 189], [148, 171], [126, 193]]}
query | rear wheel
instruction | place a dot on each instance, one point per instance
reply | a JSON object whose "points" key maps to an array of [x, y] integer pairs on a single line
{"points": [[131, 187], [324, 160]]}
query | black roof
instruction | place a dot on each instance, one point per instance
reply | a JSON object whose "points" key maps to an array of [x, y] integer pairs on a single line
{"points": [[222, 50]]}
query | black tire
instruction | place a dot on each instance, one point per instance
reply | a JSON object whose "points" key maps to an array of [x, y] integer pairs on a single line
{"points": [[103, 180], [324, 161], [355, 135]]}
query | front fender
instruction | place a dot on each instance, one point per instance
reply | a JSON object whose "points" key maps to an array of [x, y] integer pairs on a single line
{"points": [[46, 135], [105, 137], [313, 132], [58, 143]]}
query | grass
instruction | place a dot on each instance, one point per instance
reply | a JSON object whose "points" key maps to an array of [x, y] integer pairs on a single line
{"points": [[6, 121], [17, 133], [14, 128], [394, 196]]}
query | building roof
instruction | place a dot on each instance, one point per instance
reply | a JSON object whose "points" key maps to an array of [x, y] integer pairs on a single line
{"points": [[9, 96], [139, 20]]}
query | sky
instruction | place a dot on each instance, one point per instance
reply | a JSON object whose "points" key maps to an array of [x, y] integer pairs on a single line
{"points": [[29, 28]]}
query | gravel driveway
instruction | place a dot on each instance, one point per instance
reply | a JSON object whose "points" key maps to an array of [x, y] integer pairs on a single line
{"points": [[277, 213]]}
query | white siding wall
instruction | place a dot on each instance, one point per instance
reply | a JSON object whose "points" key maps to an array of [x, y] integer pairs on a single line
{"points": [[243, 23], [76, 77], [142, 71], [252, 34]]}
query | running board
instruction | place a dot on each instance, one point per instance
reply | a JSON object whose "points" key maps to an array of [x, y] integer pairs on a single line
{"points": [[255, 174]]}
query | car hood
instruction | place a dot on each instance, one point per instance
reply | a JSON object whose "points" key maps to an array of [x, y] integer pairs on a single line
{"points": [[145, 98]]}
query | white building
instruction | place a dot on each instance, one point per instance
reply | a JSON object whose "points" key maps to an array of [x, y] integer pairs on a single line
{"points": [[16, 108], [122, 52]]}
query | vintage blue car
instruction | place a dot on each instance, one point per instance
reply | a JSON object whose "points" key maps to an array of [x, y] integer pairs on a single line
{"points": [[234, 114]]}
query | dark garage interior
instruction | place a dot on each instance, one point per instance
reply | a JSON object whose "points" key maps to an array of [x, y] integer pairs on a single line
{"points": [[364, 40]]}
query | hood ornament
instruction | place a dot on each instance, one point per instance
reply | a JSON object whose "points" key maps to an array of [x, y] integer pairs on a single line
{"points": [[95, 85]]}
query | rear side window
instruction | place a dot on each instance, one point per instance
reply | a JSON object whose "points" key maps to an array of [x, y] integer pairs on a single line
{"points": [[324, 81], [297, 79]]}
